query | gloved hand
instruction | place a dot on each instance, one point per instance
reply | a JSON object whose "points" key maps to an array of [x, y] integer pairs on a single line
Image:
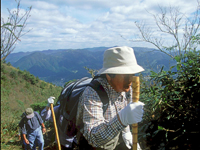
{"points": [[127, 137], [50, 101], [132, 113]]}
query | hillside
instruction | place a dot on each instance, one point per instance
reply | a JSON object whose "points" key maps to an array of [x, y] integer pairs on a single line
{"points": [[60, 66], [19, 90]]}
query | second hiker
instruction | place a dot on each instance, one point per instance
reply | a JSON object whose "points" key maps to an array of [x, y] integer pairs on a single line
{"points": [[31, 129]]}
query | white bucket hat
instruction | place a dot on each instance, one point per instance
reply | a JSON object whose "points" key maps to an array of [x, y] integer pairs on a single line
{"points": [[120, 60]]}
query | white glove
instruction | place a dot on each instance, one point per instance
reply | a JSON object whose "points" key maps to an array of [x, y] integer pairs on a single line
{"points": [[127, 137], [132, 113], [50, 101]]}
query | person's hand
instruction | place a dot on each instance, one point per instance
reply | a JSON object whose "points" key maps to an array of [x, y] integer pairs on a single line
{"points": [[26, 141], [43, 129], [50, 101], [132, 113], [127, 137]]}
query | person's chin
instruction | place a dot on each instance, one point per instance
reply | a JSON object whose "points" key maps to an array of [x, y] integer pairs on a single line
{"points": [[126, 89]]}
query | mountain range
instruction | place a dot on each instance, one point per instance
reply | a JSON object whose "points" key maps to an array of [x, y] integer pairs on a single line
{"points": [[61, 65]]}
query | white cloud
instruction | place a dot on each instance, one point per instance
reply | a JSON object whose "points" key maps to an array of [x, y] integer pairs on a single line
{"points": [[65, 24]]}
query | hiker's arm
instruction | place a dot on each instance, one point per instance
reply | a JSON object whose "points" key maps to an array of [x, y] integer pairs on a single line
{"points": [[46, 113], [25, 139], [97, 130]]}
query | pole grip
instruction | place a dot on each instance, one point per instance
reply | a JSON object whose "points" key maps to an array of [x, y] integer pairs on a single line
{"points": [[135, 98], [55, 126]]}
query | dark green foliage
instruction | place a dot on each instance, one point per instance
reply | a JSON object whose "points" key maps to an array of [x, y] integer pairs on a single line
{"points": [[42, 85], [27, 85], [20, 72], [39, 106], [172, 104], [3, 70], [13, 74], [37, 79], [9, 64], [29, 77], [3, 77]]}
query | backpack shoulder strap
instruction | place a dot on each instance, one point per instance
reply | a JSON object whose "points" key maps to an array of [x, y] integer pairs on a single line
{"points": [[36, 117], [101, 92]]}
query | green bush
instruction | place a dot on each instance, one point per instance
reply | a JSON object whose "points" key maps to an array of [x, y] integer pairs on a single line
{"points": [[172, 103], [3, 70], [13, 74], [20, 72], [9, 64], [39, 106], [43, 85], [4, 78], [27, 85]]}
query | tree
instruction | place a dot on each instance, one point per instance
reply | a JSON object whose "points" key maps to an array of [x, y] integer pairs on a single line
{"points": [[171, 22], [12, 29]]}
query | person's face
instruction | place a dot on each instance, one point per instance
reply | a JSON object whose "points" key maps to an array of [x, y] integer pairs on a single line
{"points": [[121, 82]]}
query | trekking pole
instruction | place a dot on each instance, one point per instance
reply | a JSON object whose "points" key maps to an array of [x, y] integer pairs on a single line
{"points": [[55, 126], [135, 98]]}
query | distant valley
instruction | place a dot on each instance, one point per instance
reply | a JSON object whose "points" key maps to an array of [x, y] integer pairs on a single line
{"points": [[60, 66]]}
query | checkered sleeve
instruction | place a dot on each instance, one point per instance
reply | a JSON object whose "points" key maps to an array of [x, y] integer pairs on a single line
{"points": [[97, 130]]}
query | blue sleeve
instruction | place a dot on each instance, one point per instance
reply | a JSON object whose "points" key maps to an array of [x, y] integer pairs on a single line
{"points": [[22, 125], [39, 118]]}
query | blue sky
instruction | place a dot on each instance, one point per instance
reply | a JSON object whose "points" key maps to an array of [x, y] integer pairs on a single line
{"points": [[72, 24]]}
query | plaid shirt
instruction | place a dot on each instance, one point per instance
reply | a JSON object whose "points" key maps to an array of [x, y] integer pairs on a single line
{"points": [[98, 128]]}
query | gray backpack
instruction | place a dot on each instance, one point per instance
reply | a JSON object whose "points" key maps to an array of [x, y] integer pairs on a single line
{"points": [[69, 99]]}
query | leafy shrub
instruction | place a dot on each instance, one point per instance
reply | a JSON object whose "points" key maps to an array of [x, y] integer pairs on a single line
{"points": [[13, 74], [4, 78], [39, 106], [3, 70], [9, 64], [37, 79], [20, 72], [172, 99], [43, 85], [27, 85]]}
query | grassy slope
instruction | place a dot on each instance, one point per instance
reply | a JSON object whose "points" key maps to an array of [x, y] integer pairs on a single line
{"points": [[16, 95]]}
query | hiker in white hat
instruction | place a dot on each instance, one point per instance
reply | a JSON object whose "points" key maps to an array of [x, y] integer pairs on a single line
{"points": [[110, 130], [31, 129]]}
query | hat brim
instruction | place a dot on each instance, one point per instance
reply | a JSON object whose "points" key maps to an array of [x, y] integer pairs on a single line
{"points": [[121, 70], [30, 116]]}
